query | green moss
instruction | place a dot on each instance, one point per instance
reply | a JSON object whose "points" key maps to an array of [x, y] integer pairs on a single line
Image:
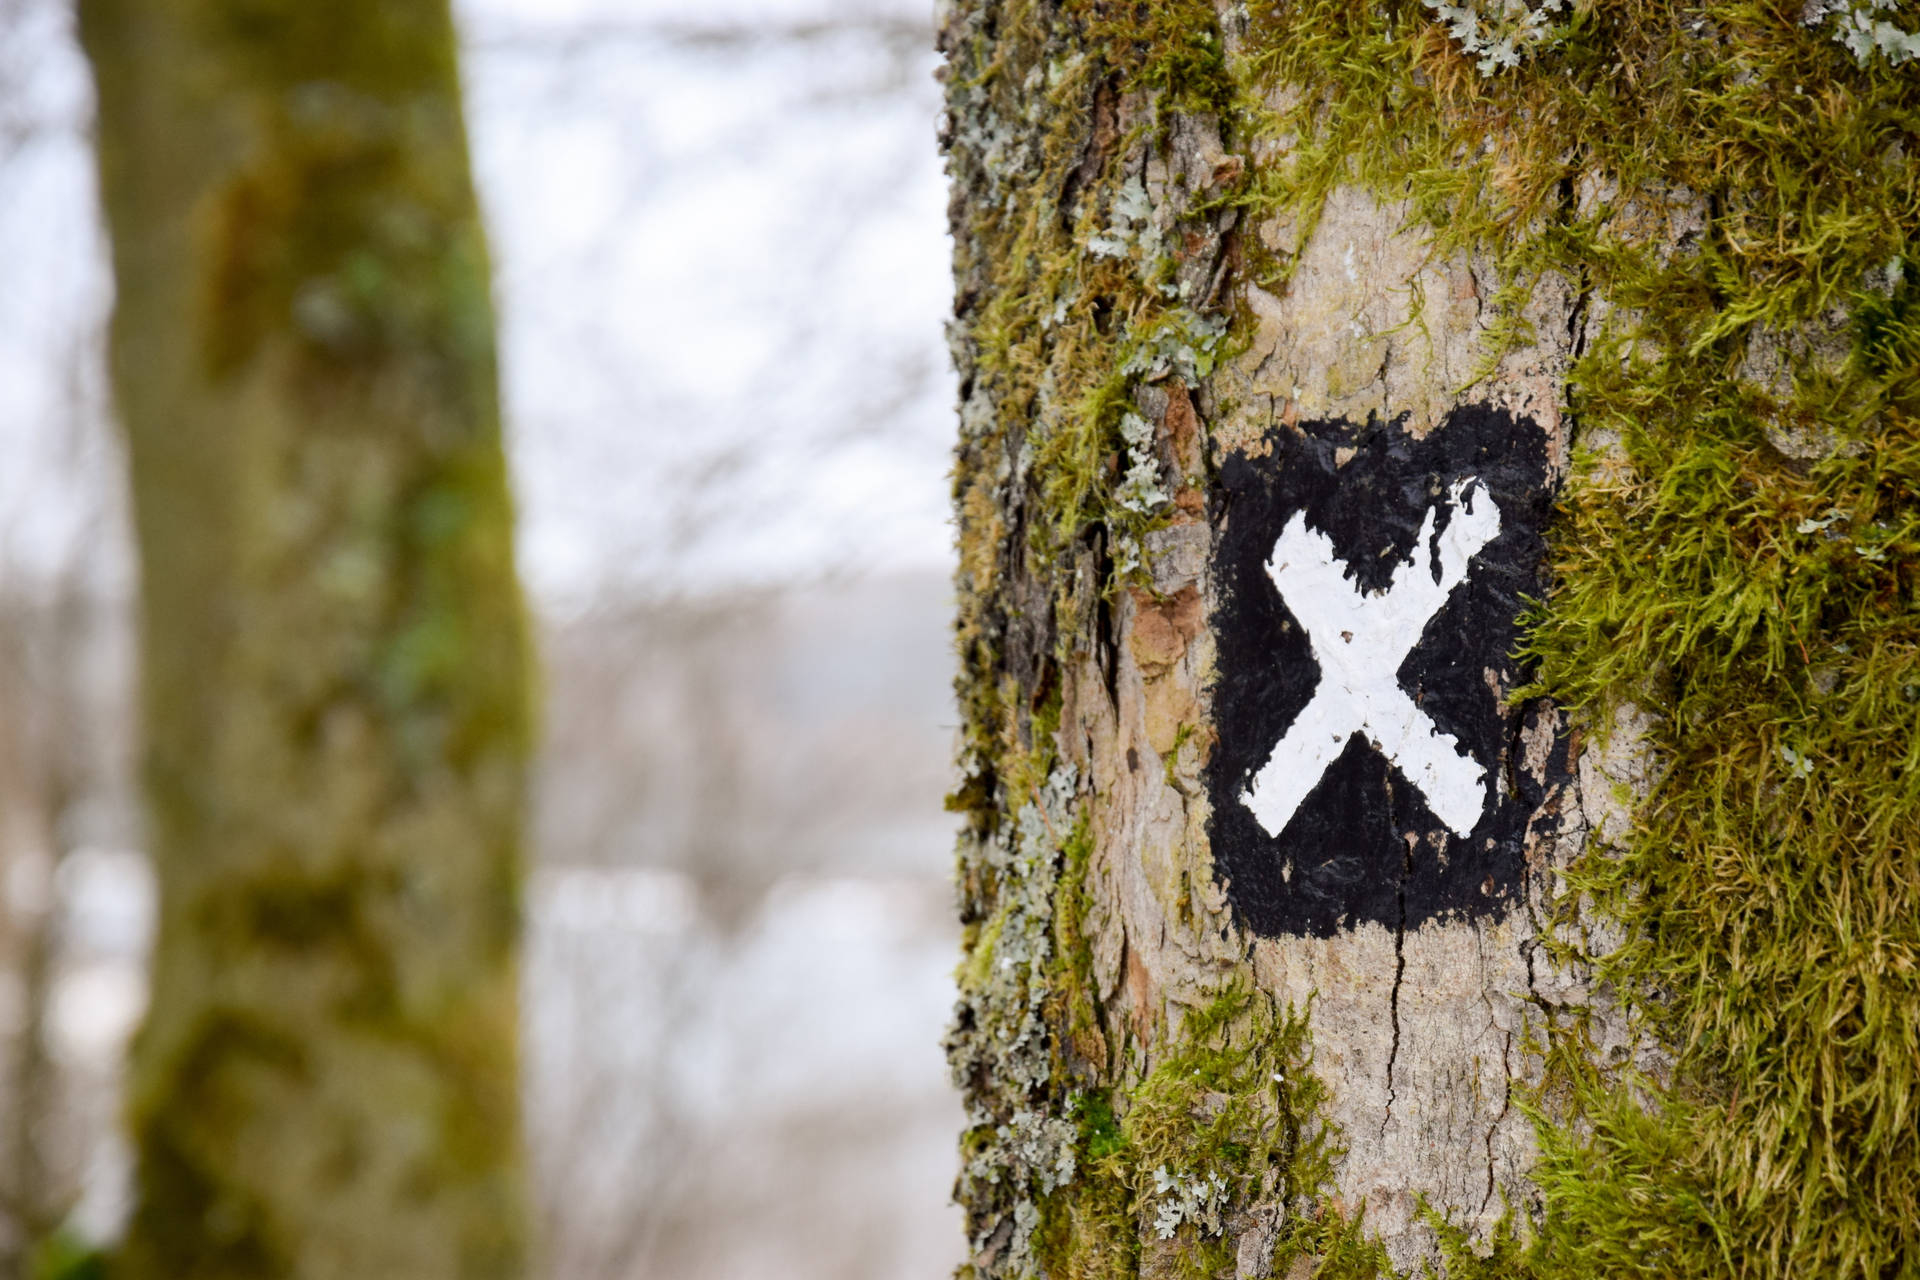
{"points": [[191, 1221], [1172, 757], [1769, 890], [1232, 1104], [64, 1256], [1100, 1136], [1502, 1256], [978, 966], [1076, 1009], [1172, 50], [1227, 1123], [195, 1214]]}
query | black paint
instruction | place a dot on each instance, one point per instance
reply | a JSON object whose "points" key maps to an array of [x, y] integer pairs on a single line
{"points": [[1363, 845]]}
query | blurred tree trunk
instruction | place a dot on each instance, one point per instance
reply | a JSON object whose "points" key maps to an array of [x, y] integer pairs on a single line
{"points": [[1292, 897], [334, 654]]}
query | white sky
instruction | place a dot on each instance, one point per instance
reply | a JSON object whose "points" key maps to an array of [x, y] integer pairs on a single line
{"points": [[722, 269]]}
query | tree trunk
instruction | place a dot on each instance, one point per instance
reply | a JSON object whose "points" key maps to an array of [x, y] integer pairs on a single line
{"points": [[334, 653], [1438, 501]]}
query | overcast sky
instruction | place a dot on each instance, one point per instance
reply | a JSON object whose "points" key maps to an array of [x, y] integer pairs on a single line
{"points": [[722, 269]]}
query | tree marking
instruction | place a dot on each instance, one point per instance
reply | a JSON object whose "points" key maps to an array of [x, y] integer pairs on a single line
{"points": [[1359, 640]]}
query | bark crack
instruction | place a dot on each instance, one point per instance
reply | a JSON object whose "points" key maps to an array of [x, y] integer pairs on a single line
{"points": [[1506, 1105], [1399, 975], [1583, 289]]}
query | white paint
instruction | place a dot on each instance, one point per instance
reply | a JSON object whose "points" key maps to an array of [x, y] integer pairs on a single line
{"points": [[1359, 641]]}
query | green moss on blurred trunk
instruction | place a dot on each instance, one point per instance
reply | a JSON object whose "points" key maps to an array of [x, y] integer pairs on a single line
{"points": [[335, 658]]}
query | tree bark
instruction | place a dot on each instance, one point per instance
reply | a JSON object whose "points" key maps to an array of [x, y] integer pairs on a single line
{"points": [[334, 655], [1357, 370]]}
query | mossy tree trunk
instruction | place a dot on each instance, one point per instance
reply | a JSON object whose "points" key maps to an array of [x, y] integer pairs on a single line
{"points": [[1522, 398], [334, 654]]}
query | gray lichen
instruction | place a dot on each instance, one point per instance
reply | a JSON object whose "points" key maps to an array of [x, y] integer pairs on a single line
{"points": [[1199, 1198], [1506, 32], [1140, 491], [1854, 24], [999, 1047]]}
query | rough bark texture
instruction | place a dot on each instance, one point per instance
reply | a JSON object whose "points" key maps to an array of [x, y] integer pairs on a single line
{"points": [[1189, 235], [334, 654]]}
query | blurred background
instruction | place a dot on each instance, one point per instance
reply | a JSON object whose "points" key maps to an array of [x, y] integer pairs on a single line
{"points": [[721, 268]]}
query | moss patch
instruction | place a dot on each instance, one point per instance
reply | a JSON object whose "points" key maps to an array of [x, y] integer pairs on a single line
{"points": [[1219, 1143]]}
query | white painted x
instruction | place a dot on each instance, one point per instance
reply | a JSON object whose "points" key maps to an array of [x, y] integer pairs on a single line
{"points": [[1359, 641]]}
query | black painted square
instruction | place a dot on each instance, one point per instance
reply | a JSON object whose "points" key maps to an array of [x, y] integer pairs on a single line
{"points": [[1365, 842]]}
